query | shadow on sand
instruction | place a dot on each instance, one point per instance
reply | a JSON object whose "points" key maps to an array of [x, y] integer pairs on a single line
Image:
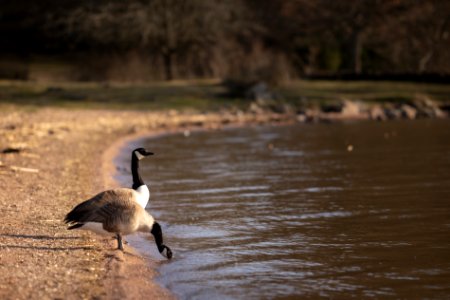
{"points": [[41, 238]]}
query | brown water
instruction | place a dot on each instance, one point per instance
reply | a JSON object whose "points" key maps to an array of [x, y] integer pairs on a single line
{"points": [[290, 212]]}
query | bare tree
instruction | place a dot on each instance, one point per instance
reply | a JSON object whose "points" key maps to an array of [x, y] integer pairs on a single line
{"points": [[174, 30], [429, 34], [251, 38]]}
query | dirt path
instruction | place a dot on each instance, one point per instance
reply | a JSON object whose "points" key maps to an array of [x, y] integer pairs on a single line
{"points": [[57, 158]]}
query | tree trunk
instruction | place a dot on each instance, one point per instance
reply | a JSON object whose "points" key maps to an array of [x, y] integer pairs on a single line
{"points": [[168, 65], [356, 52], [423, 62]]}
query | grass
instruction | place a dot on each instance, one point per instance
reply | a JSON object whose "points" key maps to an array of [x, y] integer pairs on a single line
{"points": [[198, 95], [204, 95]]}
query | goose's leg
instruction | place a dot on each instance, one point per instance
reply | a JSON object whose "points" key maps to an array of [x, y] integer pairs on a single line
{"points": [[124, 241], [119, 241]]}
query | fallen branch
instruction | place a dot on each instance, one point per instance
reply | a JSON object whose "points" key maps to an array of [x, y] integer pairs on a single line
{"points": [[20, 169]]}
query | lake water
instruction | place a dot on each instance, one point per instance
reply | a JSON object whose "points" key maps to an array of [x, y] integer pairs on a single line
{"points": [[324, 210]]}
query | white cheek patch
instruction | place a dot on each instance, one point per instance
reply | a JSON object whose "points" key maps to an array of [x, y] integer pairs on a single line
{"points": [[167, 253], [164, 252], [139, 155]]}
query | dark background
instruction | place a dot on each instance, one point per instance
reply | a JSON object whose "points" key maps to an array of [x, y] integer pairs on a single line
{"points": [[271, 40]]}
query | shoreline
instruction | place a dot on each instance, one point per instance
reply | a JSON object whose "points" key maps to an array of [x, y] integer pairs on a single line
{"points": [[110, 172], [133, 277], [146, 264], [53, 158]]}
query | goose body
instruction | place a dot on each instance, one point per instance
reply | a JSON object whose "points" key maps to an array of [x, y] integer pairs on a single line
{"points": [[118, 212]]}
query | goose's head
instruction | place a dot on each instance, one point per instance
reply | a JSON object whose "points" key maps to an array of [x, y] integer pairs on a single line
{"points": [[165, 251], [140, 153]]}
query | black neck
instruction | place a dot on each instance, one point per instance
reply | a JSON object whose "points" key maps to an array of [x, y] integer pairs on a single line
{"points": [[137, 180], [157, 233]]}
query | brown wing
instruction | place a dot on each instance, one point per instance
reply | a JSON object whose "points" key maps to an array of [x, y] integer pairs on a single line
{"points": [[102, 207]]}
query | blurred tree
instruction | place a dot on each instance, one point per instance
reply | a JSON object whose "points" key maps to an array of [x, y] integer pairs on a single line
{"points": [[427, 35], [353, 22], [173, 29], [271, 40]]}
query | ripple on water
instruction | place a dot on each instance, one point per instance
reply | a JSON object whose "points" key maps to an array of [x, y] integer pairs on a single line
{"points": [[219, 190], [195, 232]]}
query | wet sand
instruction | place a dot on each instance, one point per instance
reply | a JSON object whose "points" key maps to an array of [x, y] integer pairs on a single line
{"points": [[54, 159]]}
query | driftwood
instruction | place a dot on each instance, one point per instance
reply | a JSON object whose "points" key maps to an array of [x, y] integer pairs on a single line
{"points": [[21, 169]]}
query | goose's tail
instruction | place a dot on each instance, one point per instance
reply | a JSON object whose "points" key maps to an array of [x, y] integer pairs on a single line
{"points": [[75, 226]]}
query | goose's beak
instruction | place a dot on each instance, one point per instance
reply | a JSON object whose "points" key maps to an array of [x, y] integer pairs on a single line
{"points": [[166, 252], [147, 153]]}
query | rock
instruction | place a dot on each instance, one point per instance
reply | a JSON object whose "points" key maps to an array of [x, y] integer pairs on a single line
{"points": [[351, 108], [408, 112], [377, 113], [255, 108], [427, 108], [260, 107], [283, 108], [331, 108], [260, 92], [392, 113], [11, 150], [15, 148], [344, 110], [301, 118], [312, 115]]}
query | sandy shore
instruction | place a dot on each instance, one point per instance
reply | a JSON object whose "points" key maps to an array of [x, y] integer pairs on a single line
{"points": [[51, 159]]}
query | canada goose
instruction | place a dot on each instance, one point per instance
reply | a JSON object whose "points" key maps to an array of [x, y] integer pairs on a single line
{"points": [[118, 212]]}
